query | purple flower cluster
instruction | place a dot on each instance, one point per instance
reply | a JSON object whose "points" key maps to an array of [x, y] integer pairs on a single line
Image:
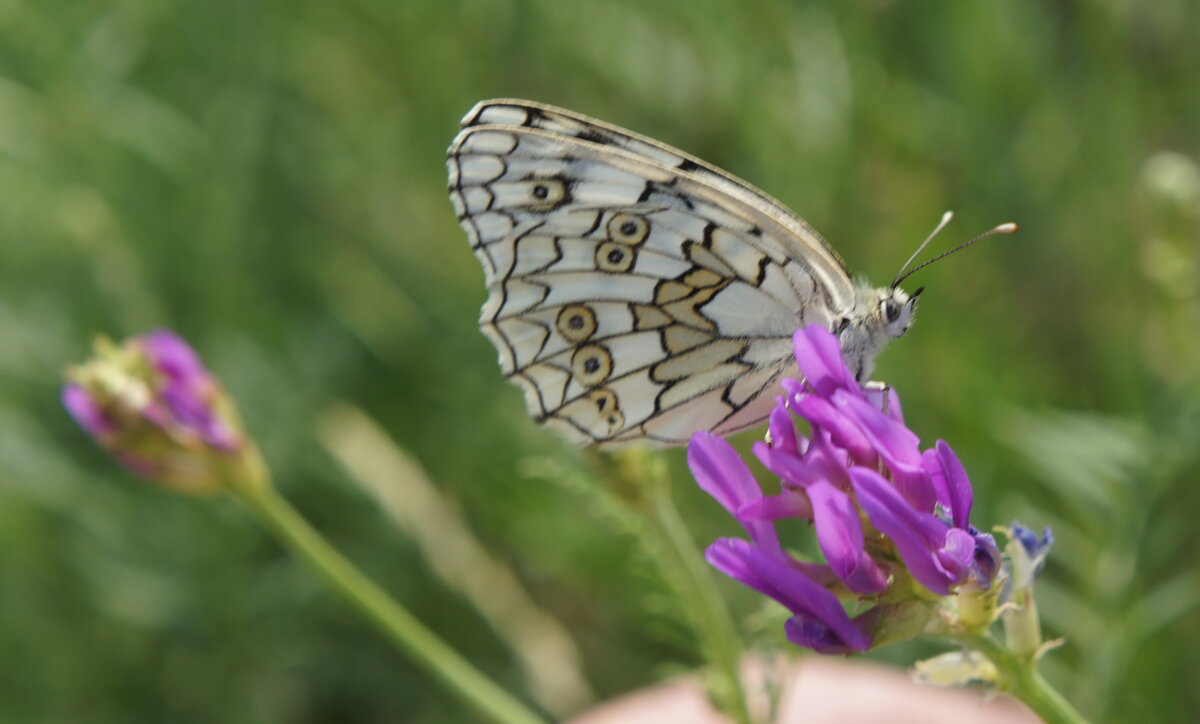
{"points": [[154, 406], [885, 512]]}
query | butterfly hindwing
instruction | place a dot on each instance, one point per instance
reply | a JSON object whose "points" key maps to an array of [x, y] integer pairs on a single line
{"points": [[633, 294]]}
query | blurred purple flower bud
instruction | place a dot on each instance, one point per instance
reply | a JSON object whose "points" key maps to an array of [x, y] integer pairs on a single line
{"points": [[151, 403]]}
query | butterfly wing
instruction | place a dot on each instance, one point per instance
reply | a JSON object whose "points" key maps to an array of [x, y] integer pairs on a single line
{"points": [[635, 293]]}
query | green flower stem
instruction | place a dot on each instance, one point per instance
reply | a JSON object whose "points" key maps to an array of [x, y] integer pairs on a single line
{"points": [[408, 634], [1018, 676], [714, 624]]}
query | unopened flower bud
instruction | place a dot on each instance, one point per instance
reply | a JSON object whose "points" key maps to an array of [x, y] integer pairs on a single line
{"points": [[151, 403], [1027, 553]]}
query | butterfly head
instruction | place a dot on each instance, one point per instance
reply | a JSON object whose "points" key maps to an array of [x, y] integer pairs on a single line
{"points": [[880, 315], [896, 310]]}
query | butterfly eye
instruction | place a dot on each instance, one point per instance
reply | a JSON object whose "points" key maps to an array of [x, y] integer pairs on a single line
{"points": [[891, 310]]}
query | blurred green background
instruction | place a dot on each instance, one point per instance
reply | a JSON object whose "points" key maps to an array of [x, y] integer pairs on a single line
{"points": [[268, 179]]}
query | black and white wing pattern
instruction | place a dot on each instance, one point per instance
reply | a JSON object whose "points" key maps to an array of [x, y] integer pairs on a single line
{"points": [[635, 292]]}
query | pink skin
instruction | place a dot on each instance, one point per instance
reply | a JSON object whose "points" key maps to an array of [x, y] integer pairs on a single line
{"points": [[817, 690]]}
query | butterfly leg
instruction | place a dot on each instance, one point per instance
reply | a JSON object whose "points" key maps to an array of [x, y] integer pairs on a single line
{"points": [[877, 393]]}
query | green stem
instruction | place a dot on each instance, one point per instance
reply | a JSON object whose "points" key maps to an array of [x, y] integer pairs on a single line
{"points": [[719, 637], [1018, 675], [406, 632]]}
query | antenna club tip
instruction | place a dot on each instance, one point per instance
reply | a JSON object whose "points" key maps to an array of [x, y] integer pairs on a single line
{"points": [[1009, 228]]}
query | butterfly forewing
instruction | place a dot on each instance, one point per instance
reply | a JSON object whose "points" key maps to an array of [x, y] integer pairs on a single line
{"points": [[634, 293], [799, 240]]}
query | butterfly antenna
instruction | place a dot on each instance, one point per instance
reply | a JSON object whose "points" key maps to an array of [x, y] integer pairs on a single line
{"points": [[941, 225], [1007, 228]]}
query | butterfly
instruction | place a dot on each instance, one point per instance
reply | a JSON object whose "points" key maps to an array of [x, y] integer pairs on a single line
{"points": [[637, 293]]}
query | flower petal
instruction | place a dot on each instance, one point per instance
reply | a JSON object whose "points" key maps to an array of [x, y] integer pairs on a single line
{"points": [[817, 635], [893, 440], [828, 460], [892, 409], [794, 389], [824, 624], [987, 558], [186, 389], [788, 504], [192, 410], [932, 463], [1037, 548], [720, 471], [86, 412], [171, 355], [786, 464], [934, 553], [840, 535], [957, 554], [820, 359], [1028, 566], [844, 430], [896, 444], [958, 485], [781, 430]]}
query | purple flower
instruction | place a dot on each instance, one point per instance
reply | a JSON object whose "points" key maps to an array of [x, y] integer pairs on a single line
{"points": [[887, 515], [152, 404]]}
